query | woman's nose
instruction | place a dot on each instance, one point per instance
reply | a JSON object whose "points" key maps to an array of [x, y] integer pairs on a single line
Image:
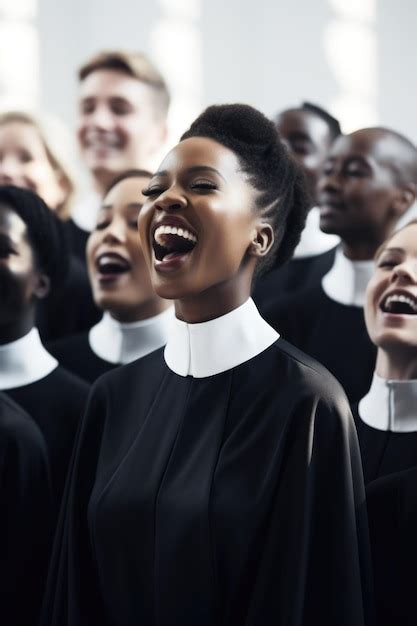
{"points": [[116, 231], [170, 200], [406, 272]]}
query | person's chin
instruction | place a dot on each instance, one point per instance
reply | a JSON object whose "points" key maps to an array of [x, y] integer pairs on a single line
{"points": [[109, 301], [171, 287], [330, 225], [397, 340]]}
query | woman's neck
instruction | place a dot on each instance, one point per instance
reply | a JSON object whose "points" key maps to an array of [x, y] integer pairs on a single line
{"points": [[400, 364], [143, 312], [15, 330], [214, 302]]}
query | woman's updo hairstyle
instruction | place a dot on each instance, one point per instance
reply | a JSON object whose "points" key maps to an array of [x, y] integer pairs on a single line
{"points": [[46, 232], [283, 198]]}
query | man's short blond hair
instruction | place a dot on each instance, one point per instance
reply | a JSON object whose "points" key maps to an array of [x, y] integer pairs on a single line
{"points": [[134, 64]]}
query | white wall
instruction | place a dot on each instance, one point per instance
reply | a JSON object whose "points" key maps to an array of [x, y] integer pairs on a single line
{"points": [[270, 53]]}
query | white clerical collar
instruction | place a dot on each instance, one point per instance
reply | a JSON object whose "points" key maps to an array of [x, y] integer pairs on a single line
{"points": [[313, 240], [84, 211], [115, 342], [208, 348], [390, 405], [24, 361], [347, 280]]}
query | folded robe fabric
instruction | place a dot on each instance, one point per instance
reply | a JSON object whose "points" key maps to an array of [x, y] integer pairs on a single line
{"points": [[235, 499]]}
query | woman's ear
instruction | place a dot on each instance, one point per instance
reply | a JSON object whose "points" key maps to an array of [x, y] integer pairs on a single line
{"points": [[43, 286], [263, 240]]}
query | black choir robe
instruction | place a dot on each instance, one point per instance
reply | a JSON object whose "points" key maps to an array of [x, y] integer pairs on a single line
{"points": [[298, 274], [384, 452], [235, 499], [335, 334], [76, 355], [25, 516], [56, 404], [392, 506]]}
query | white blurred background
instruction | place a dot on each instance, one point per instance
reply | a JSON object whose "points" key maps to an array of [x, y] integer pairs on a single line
{"points": [[355, 57]]}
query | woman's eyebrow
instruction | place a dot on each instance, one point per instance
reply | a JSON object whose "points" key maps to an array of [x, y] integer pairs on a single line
{"points": [[193, 169], [392, 250], [205, 168]]}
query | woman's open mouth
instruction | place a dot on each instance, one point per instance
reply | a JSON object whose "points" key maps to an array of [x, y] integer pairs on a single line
{"points": [[399, 303], [110, 266], [172, 245]]}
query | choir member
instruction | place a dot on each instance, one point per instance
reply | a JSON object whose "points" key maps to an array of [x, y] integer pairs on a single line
{"points": [[368, 183], [33, 155], [30, 264], [386, 418], [218, 480], [387, 427], [25, 501], [392, 507], [308, 131], [136, 320], [123, 106]]}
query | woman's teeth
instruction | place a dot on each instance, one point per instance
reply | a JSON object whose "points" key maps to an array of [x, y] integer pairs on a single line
{"points": [[400, 304], [173, 230]]}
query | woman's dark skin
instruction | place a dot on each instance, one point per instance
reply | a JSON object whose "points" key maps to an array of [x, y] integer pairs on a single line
{"points": [[200, 188], [21, 283]]}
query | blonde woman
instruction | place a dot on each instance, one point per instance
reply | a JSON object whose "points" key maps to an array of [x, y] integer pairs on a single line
{"points": [[34, 155]]}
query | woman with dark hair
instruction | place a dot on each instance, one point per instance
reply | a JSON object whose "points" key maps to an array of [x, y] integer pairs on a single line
{"points": [[31, 264], [136, 320], [25, 501], [386, 420], [217, 481]]}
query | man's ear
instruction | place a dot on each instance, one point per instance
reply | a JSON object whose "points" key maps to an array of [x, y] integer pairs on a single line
{"points": [[405, 198], [263, 240], [43, 286]]}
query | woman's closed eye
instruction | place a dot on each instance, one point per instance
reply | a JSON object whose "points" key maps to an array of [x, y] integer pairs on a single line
{"points": [[205, 185], [388, 262], [102, 225], [153, 191]]}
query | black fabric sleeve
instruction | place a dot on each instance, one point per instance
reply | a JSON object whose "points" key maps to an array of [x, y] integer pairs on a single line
{"points": [[316, 566], [72, 595], [25, 520]]}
